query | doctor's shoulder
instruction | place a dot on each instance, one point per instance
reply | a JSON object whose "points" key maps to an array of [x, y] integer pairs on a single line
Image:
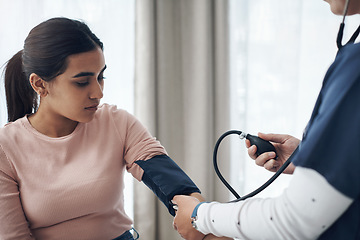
{"points": [[350, 54]]}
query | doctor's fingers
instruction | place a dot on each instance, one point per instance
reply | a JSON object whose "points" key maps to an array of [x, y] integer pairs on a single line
{"points": [[185, 201], [251, 149], [264, 158], [272, 165], [185, 229]]}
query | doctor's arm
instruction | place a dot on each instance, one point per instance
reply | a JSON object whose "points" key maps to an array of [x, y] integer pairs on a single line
{"points": [[307, 208]]}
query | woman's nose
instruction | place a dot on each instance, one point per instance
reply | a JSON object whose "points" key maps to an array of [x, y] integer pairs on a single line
{"points": [[97, 90]]}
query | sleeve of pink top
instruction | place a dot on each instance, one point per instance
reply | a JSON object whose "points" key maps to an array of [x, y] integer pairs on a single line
{"points": [[13, 224], [138, 142]]}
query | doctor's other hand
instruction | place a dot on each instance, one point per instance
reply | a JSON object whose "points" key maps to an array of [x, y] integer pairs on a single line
{"points": [[284, 145], [182, 221]]}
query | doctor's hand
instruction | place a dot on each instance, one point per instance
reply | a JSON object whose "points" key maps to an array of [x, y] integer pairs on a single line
{"points": [[284, 145], [182, 221]]}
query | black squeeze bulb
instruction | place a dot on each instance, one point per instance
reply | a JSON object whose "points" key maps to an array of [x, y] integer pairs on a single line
{"points": [[261, 144]]}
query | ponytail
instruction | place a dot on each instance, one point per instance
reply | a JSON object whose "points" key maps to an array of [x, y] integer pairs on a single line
{"points": [[21, 99]]}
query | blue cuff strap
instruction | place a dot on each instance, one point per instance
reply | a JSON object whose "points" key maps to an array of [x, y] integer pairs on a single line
{"points": [[194, 213], [166, 179]]}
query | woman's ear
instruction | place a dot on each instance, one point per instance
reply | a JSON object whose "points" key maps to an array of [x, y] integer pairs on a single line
{"points": [[38, 84]]}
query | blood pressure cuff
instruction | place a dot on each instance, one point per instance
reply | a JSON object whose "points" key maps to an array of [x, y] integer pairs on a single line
{"points": [[166, 179]]}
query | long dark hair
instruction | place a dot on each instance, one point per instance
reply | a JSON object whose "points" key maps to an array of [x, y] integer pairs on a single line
{"points": [[45, 53]]}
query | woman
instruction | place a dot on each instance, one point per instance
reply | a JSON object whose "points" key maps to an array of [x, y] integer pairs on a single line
{"points": [[323, 198], [62, 161]]}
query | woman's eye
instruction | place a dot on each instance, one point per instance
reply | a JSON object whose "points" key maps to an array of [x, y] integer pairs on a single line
{"points": [[101, 78], [82, 84]]}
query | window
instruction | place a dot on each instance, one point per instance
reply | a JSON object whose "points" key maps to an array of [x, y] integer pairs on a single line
{"points": [[279, 53], [111, 20]]}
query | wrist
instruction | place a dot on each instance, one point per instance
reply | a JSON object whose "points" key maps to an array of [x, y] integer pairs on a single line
{"points": [[194, 216]]}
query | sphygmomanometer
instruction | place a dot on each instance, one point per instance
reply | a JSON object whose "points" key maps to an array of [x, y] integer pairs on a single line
{"points": [[262, 146]]}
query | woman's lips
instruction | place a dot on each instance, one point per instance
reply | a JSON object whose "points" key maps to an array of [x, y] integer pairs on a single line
{"points": [[92, 108]]}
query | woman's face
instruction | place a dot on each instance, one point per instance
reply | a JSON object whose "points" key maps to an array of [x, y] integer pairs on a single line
{"points": [[75, 94], [337, 6]]}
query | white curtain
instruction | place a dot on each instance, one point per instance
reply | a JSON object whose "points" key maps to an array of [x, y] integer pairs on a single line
{"points": [[181, 95], [279, 53]]}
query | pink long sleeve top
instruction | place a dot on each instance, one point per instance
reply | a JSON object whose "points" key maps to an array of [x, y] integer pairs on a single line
{"points": [[70, 187]]}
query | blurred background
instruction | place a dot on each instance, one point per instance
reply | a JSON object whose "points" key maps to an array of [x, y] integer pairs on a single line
{"points": [[192, 69]]}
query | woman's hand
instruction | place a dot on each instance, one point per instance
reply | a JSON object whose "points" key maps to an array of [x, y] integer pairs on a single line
{"points": [[284, 144]]}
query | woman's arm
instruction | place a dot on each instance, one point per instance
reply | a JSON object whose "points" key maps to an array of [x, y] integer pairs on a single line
{"points": [[166, 179], [13, 224]]}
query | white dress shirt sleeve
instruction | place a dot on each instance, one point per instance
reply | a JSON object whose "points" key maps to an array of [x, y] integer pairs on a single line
{"points": [[306, 209]]}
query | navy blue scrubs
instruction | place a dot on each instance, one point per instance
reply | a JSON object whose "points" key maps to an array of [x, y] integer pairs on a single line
{"points": [[331, 143]]}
